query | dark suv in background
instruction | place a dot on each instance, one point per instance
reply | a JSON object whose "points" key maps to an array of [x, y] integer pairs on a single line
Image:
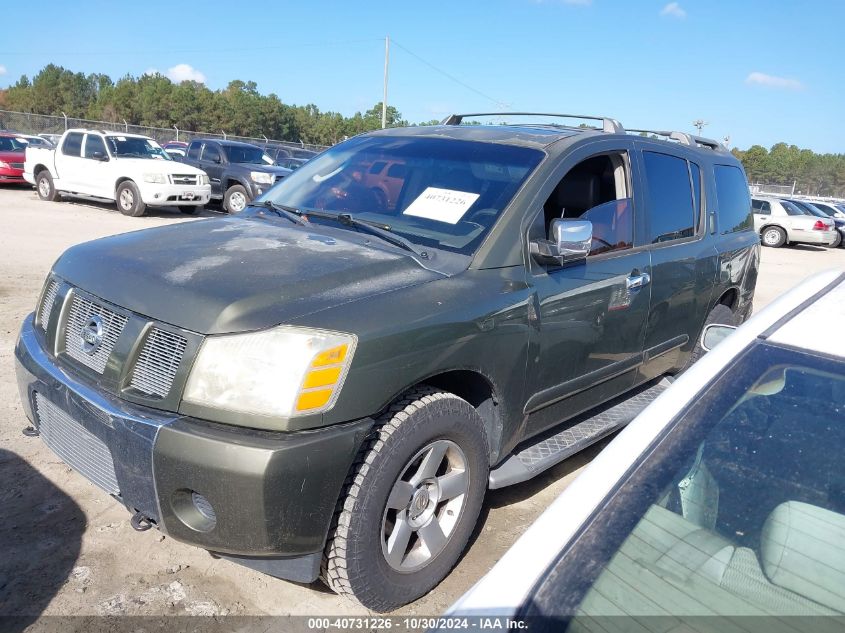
{"points": [[326, 384], [238, 172]]}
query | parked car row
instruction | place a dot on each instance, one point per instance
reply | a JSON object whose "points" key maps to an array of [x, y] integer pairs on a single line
{"points": [[781, 221], [136, 172]]}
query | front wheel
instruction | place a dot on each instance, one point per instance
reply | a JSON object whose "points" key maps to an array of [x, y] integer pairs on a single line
{"points": [[236, 199], [410, 503], [129, 200], [773, 236]]}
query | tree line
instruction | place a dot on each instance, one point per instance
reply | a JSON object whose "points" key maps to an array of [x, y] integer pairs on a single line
{"points": [[154, 100], [239, 109]]}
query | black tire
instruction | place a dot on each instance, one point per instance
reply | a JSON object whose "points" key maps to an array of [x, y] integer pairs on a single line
{"points": [[232, 200], [719, 314], [128, 199], [773, 236], [45, 187], [189, 209], [355, 563], [837, 242]]}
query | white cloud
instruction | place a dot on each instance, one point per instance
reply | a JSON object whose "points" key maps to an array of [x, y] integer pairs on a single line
{"points": [[673, 10], [3, 70], [184, 72], [772, 81]]}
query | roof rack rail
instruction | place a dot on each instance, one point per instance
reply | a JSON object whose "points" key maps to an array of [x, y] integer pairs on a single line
{"points": [[686, 139], [608, 125]]}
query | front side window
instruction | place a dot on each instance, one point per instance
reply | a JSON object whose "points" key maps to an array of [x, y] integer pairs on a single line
{"points": [[733, 197], [449, 196], [671, 214], [211, 154], [72, 145], [94, 144], [740, 510]]}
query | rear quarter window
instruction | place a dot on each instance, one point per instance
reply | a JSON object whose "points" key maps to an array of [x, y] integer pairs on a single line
{"points": [[734, 199]]}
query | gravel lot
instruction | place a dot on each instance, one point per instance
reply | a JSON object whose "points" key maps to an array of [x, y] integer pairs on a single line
{"points": [[66, 548]]}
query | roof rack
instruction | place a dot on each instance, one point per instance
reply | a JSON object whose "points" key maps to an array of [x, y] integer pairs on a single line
{"points": [[609, 125], [686, 139]]}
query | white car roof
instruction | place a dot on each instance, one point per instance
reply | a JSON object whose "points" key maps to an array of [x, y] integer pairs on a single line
{"points": [[793, 319]]}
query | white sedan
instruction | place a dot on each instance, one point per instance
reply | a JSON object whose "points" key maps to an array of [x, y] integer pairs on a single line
{"points": [[725, 497]]}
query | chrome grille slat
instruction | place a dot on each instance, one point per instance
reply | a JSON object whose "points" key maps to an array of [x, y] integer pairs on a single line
{"points": [[46, 306], [75, 445], [81, 310], [158, 362], [184, 179]]}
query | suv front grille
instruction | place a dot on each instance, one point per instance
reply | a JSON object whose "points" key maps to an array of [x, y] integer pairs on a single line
{"points": [[184, 179], [46, 306], [80, 313], [158, 361], [77, 446]]}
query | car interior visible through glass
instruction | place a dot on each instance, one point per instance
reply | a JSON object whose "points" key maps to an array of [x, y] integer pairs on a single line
{"points": [[754, 521]]}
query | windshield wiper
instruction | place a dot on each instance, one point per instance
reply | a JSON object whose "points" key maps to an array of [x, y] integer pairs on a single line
{"points": [[282, 210], [378, 229]]}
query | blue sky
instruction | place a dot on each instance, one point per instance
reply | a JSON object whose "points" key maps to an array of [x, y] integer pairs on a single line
{"points": [[759, 71]]}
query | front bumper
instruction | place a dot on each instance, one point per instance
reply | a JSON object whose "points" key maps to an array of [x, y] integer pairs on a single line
{"points": [[272, 494], [8, 175], [154, 194]]}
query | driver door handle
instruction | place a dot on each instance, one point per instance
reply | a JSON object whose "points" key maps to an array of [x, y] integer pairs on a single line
{"points": [[635, 282]]}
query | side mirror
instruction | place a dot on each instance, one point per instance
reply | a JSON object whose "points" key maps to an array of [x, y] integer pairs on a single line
{"points": [[99, 156], [217, 160], [571, 242], [714, 334]]}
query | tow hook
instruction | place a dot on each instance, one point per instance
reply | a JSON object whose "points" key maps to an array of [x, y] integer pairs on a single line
{"points": [[31, 431], [140, 522]]}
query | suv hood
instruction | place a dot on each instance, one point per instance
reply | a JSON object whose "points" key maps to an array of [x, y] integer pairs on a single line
{"points": [[235, 274], [155, 165], [269, 169]]}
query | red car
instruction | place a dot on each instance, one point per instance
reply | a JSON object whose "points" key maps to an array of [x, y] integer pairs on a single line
{"points": [[12, 152]]}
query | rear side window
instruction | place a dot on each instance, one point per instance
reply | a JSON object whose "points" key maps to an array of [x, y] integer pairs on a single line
{"points": [[734, 199], [791, 209], [194, 150], [670, 199], [73, 144]]}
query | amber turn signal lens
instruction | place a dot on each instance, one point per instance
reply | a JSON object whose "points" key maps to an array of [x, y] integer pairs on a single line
{"points": [[313, 399], [332, 356]]}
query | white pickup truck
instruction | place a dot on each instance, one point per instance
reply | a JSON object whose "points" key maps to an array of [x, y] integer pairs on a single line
{"points": [[130, 169]]}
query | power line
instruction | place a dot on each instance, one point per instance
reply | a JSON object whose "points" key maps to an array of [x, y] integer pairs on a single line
{"points": [[499, 103]]}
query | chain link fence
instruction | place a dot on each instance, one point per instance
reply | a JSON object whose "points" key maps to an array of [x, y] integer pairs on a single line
{"points": [[27, 123], [773, 190]]}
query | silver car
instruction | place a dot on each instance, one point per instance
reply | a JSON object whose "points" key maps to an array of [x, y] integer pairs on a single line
{"points": [[780, 222]]}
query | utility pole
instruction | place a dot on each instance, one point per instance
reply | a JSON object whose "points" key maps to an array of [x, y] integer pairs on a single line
{"points": [[700, 123], [384, 99]]}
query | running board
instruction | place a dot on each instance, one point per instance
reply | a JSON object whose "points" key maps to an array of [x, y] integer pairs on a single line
{"points": [[586, 429]]}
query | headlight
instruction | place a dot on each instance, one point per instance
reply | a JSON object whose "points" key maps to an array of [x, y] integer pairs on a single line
{"points": [[261, 177], [203, 180], [282, 372], [4, 164], [156, 178]]}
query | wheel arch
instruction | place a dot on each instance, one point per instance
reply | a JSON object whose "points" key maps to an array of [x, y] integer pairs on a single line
{"points": [[479, 391], [120, 181]]}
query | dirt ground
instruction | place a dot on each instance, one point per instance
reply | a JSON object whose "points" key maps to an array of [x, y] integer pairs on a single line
{"points": [[67, 549]]}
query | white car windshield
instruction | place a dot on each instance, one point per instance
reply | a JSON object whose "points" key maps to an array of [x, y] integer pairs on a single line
{"points": [[135, 147], [740, 510]]}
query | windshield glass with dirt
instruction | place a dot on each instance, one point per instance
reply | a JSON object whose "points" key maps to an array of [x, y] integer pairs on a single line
{"points": [[134, 147], [437, 193]]}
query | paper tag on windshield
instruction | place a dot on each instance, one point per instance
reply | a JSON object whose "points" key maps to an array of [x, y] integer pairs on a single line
{"points": [[443, 205]]}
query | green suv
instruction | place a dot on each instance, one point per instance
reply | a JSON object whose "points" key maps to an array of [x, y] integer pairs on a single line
{"points": [[326, 384]]}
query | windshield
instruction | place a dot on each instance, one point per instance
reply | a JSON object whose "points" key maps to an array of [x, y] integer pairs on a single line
{"points": [[8, 144], [247, 154], [739, 510], [811, 209], [135, 147], [438, 193], [793, 209]]}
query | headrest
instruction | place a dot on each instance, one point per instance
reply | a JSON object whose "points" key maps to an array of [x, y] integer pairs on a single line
{"points": [[803, 550]]}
